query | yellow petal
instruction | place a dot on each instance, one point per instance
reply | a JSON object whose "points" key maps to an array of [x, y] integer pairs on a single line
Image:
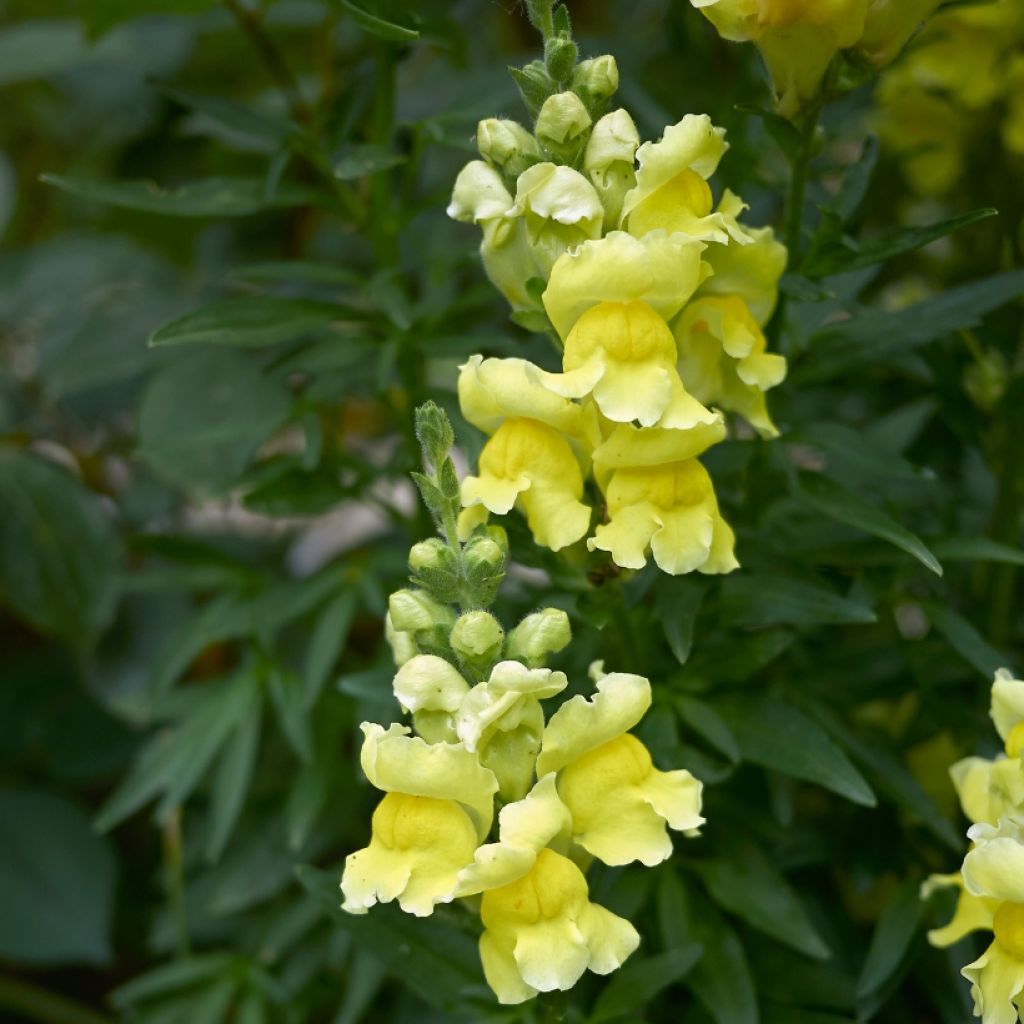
{"points": [[972, 913], [627, 446], [427, 682], [501, 971], [621, 804], [418, 847], [479, 194], [750, 272], [1007, 702], [997, 985], [396, 762], [995, 866], [579, 725], [660, 269]]}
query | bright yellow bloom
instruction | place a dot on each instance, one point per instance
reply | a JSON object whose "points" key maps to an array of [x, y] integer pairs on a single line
{"points": [[418, 847], [560, 209], [671, 190], [797, 38], [530, 464], [542, 932], [673, 511], [723, 359], [620, 803], [396, 762], [502, 721], [480, 197], [1007, 710], [623, 354], [433, 690], [660, 269], [527, 826]]}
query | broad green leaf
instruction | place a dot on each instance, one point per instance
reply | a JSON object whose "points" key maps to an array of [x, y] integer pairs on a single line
{"points": [[853, 451], [878, 335], [896, 930], [56, 882], [204, 417], [233, 115], [211, 197], [782, 131], [976, 549], [845, 506], [678, 603], [759, 600], [40, 48], [231, 778], [843, 258], [748, 884], [326, 643], [250, 323], [436, 961], [966, 640], [171, 977], [379, 27], [708, 724], [780, 736], [641, 980], [58, 553], [721, 979], [363, 161]]}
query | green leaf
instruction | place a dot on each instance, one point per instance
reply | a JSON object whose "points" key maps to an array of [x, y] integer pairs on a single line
{"points": [[363, 161], [211, 197], [854, 186], [897, 928], [292, 714], [678, 602], [435, 960], [876, 336], [58, 554], [759, 600], [747, 883], [779, 736], [232, 777], [40, 48], [784, 133], [204, 417], [640, 981], [852, 450], [233, 115], [708, 724], [841, 259], [56, 882], [977, 549], [844, 506], [326, 644], [250, 323], [378, 27], [171, 977], [99, 15], [721, 979], [298, 271], [966, 640]]}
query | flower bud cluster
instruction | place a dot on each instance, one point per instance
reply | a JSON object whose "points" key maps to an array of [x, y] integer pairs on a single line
{"points": [[494, 803], [798, 39], [991, 882], [658, 298]]}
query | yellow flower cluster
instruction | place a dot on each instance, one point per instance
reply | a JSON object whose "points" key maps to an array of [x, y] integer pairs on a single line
{"points": [[571, 788], [991, 882], [658, 299], [960, 85], [799, 38]]}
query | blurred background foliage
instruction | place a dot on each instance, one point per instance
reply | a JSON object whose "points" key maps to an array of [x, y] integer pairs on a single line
{"points": [[198, 534]]}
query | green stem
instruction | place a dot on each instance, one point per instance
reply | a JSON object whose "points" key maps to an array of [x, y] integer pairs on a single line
{"points": [[797, 192], [175, 867], [39, 1004]]}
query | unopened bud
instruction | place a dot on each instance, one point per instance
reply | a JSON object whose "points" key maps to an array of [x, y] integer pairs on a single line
{"points": [[507, 145], [432, 554], [560, 56], [538, 635], [610, 160], [429, 683], [413, 611], [403, 645], [562, 123], [483, 553], [596, 81], [477, 638]]}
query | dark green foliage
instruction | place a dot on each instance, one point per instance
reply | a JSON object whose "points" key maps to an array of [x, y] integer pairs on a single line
{"points": [[198, 536]]}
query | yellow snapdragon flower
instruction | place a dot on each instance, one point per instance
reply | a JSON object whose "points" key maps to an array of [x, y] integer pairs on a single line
{"points": [[432, 689], [797, 38], [989, 789], [992, 897], [541, 932], [530, 464], [671, 510], [621, 805]]}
